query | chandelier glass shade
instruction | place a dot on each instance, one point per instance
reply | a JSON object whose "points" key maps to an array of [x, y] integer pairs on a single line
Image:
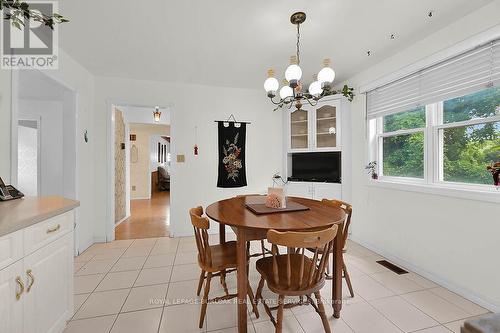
{"points": [[271, 85], [315, 88], [291, 92], [286, 92], [326, 75], [293, 73]]}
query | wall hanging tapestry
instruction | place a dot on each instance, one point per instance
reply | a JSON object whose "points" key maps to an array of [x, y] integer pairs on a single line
{"points": [[232, 140]]}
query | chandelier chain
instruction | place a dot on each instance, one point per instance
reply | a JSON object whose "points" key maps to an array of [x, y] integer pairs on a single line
{"points": [[298, 44]]}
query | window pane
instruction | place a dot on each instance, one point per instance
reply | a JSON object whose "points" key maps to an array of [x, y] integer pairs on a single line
{"points": [[468, 150], [405, 120], [404, 155], [482, 104]]}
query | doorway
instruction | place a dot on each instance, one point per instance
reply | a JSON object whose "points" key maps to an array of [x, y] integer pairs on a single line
{"points": [[28, 156], [141, 172]]}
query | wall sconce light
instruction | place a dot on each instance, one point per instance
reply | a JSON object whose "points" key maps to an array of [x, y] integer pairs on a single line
{"points": [[157, 114]]}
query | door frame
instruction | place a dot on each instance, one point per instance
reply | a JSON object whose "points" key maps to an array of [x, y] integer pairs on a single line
{"points": [[110, 224]]}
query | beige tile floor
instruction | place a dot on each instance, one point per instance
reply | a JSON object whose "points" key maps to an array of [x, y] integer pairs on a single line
{"points": [[149, 285]]}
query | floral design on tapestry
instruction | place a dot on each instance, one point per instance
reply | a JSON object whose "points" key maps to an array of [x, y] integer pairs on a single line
{"points": [[232, 162]]}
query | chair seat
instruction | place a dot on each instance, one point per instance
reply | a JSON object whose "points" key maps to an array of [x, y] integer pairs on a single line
{"points": [[265, 268], [223, 257]]}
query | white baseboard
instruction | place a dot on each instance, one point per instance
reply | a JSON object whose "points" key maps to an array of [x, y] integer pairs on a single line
{"points": [[464, 292], [141, 198], [99, 239], [123, 219], [85, 246]]}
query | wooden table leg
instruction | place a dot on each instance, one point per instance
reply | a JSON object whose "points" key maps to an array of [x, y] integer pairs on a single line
{"points": [[222, 233], [242, 279], [337, 273]]}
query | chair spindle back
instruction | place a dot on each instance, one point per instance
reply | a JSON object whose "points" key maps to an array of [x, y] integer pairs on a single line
{"points": [[347, 208], [201, 225], [310, 272]]}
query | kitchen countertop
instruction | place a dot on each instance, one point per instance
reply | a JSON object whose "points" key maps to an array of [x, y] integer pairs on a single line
{"points": [[21, 213]]}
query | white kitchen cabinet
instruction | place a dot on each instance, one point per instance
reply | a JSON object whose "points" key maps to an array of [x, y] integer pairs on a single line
{"points": [[299, 189], [11, 248], [49, 301], [327, 191], [313, 190], [36, 290], [11, 300]]}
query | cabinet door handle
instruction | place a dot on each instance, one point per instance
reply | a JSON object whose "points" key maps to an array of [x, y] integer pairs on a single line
{"points": [[54, 229], [31, 280], [21, 288]]}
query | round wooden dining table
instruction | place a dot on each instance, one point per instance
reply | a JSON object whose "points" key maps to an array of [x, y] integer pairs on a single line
{"points": [[249, 226]]}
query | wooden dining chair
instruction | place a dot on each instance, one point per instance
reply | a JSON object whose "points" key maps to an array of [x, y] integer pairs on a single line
{"points": [[295, 274], [347, 208], [214, 260], [263, 248]]}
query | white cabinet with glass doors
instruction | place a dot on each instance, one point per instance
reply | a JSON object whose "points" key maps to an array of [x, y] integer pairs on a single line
{"points": [[314, 128]]}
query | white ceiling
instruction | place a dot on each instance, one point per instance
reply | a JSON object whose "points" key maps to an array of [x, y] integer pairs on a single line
{"points": [[233, 43]]}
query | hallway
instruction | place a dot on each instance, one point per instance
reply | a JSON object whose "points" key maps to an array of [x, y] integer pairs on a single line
{"points": [[149, 218]]}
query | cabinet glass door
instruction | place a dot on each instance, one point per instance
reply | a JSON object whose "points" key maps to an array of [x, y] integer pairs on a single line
{"points": [[299, 130], [326, 126]]}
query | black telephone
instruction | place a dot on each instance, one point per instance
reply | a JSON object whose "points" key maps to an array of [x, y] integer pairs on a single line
{"points": [[9, 192]]}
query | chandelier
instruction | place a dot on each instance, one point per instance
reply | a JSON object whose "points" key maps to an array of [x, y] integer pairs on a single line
{"points": [[292, 92]]}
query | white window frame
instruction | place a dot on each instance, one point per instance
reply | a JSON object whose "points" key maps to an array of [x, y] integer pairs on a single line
{"points": [[438, 134], [380, 154], [433, 158]]}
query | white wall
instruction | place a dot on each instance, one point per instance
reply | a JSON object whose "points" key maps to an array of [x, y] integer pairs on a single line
{"points": [[144, 115], [194, 182], [51, 130], [140, 171], [72, 75], [450, 240], [77, 78], [69, 144], [5, 123]]}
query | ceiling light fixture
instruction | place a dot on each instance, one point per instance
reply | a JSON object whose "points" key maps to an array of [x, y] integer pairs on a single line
{"points": [[291, 92], [157, 114]]}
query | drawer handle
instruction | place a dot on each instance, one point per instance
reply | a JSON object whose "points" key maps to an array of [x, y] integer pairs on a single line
{"points": [[21, 288], [54, 229], [29, 272]]}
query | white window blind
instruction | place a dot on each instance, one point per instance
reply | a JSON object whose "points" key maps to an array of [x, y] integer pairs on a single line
{"points": [[461, 75]]}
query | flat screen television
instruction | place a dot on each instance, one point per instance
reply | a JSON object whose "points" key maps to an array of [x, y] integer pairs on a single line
{"points": [[317, 167]]}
